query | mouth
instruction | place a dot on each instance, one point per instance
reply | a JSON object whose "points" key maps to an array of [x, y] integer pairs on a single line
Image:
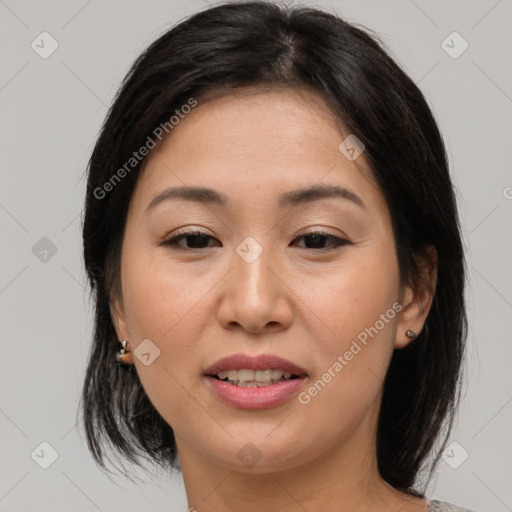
{"points": [[255, 378], [255, 382], [254, 371]]}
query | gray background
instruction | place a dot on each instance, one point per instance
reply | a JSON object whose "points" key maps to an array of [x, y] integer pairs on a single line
{"points": [[51, 111]]}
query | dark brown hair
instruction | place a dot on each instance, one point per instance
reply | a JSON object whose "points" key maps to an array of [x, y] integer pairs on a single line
{"points": [[261, 43]]}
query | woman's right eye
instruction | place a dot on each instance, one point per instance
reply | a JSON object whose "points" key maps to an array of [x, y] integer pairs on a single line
{"points": [[195, 240]]}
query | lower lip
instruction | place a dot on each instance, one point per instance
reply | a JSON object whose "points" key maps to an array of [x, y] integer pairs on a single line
{"points": [[263, 397]]}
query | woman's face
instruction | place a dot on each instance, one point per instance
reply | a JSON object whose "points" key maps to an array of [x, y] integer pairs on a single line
{"points": [[256, 282]]}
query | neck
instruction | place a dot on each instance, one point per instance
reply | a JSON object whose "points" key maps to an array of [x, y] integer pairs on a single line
{"points": [[343, 478]]}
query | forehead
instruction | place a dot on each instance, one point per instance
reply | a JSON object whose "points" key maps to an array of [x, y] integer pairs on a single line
{"points": [[255, 143], [233, 125]]}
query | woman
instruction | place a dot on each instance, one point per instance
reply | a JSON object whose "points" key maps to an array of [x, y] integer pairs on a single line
{"points": [[272, 238]]}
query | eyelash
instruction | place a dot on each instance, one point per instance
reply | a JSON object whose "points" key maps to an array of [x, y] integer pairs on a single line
{"points": [[173, 242]]}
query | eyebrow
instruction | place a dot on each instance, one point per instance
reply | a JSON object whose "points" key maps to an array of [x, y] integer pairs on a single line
{"points": [[287, 200]]}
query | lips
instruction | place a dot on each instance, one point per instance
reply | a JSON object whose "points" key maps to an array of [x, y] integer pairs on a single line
{"points": [[260, 362], [270, 394]]}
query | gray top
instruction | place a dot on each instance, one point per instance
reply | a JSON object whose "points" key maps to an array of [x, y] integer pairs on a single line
{"points": [[441, 506]]}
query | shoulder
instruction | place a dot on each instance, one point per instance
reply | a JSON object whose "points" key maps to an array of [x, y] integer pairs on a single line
{"points": [[441, 506]]}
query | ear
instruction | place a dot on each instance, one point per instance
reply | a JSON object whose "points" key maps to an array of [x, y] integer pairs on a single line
{"points": [[417, 298], [119, 319]]}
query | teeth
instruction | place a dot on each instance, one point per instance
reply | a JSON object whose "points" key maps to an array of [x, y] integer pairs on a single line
{"points": [[277, 374], [232, 375], [252, 378], [244, 376], [262, 375]]}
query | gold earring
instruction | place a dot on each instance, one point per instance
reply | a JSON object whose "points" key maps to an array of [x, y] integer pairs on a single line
{"points": [[124, 357], [410, 334]]}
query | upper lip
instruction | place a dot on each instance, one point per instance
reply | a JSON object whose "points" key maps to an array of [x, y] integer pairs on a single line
{"points": [[259, 362]]}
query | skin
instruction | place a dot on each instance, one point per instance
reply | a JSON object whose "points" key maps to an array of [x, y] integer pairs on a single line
{"points": [[297, 301]]}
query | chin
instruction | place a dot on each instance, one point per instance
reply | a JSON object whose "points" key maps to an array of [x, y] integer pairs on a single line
{"points": [[262, 454]]}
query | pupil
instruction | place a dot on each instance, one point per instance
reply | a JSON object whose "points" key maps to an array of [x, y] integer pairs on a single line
{"points": [[196, 237], [316, 239]]}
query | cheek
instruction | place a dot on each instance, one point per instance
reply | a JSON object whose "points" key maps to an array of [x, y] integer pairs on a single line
{"points": [[164, 305], [160, 298], [353, 296], [168, 304], [356, 304]]}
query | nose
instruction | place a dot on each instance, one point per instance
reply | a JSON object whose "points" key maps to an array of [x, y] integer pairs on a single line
{"points": [[255, 296]]}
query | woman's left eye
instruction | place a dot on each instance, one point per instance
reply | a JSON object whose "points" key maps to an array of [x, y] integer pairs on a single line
{"points": [[199, 240], [317, 237]]}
